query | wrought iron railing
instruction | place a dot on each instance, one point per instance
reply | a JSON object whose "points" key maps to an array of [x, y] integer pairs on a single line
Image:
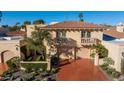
{"points": [[89, 41]]}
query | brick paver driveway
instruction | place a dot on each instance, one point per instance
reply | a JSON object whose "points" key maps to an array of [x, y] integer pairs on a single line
{"points": [[3, 67], [82, 69]]}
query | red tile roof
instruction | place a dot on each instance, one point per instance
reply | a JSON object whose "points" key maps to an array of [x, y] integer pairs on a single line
{"points": [[113, 33], [16, 33], [74, 24]]}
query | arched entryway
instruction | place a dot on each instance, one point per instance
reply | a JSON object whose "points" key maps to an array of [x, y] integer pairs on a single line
{"points": [[6, 55]]}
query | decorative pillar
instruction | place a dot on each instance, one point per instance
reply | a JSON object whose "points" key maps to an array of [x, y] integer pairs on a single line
{"points": [[48, 64], [96, 59]]}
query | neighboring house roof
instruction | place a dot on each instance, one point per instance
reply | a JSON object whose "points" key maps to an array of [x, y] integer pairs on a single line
{"points": [[114, 33], [3, 31], [16, 33], [74, 24]]}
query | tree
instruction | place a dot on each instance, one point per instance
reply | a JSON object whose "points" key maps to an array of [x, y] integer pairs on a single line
{"points": [[5, 26], [40, 21], [14, 28], [35, 45], [81, 16], [25, 23]]}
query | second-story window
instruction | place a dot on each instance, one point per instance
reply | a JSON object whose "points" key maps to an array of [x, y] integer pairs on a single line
{"points": [[88, 34], [61, 34], [85, 34]]}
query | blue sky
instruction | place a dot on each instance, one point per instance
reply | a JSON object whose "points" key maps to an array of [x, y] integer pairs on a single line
{"points": [[98, 17]]}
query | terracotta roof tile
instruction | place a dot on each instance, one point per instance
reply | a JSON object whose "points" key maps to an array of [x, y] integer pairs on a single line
{"points": [[16, 33], [74, 24], [113, 33]]}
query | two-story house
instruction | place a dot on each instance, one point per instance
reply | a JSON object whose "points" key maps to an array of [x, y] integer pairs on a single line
{"points": [[73, 38]]}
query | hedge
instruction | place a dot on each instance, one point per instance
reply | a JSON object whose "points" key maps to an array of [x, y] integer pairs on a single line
{"points": [[35, 66], [13, 63]]}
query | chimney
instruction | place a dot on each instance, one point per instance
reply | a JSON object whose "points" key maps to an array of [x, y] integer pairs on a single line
{"points": [[120, 27]]}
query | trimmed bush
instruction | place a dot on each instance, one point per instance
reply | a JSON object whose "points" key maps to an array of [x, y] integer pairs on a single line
{"points": [[116, 74], [104, 66], [111, 71], [34, 66], [13, 63], [108, 61]]}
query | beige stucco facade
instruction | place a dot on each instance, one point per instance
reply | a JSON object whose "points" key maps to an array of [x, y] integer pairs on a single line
{"points": [[75, 35], [9, 49], [115, 52], [31, 28]]}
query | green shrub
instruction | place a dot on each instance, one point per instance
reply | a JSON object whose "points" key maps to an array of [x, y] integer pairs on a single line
{"points": [[116, 74], [34, 66], [13, 63], [110, 70], [108, 61], [101, 50], [104, 66]]}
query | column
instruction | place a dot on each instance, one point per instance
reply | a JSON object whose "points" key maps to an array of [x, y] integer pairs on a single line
{"points": [[48, 64], [96, 59]]}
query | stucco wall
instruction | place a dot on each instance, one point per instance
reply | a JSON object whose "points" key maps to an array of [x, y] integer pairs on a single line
{"points": [[114, 53], [121, 56], [9, 49], [97, 34], [76, 35], [83, 52], [30, 29]]}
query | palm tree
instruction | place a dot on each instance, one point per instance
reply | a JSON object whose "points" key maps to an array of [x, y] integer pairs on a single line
{"points": [[35, 47], [42, 35], [81, 16], [40, 21], [26, 23], [35, 44]]}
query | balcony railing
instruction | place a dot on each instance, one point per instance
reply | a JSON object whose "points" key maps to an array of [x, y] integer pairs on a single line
{"points": [[89, 41]]}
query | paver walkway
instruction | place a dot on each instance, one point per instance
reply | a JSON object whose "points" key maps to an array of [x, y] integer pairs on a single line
{"points": [[80, 70]]}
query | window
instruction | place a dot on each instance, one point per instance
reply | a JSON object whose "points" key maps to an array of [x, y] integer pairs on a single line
{"points": [[61, 34], [85, 34], [88, 34]]}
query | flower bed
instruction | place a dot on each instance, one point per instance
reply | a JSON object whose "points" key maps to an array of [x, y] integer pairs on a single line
{"points": [[110, 71]]}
